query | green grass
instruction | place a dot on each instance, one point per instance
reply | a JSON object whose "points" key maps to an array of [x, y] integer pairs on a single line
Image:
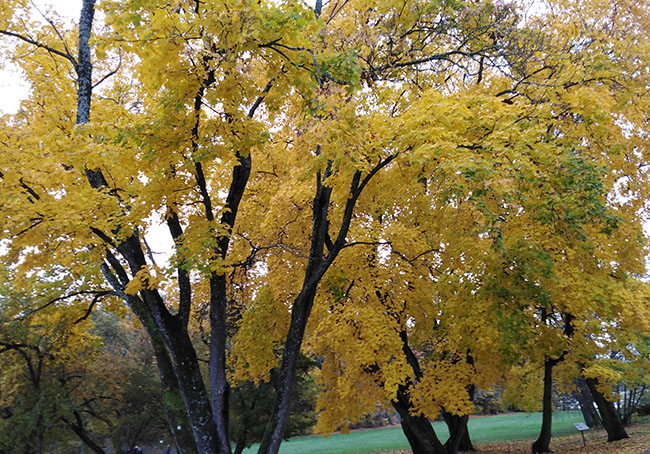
{"points": [[510, 427]]}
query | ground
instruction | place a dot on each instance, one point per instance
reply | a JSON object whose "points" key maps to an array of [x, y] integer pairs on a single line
{"points": [[596, 443]]}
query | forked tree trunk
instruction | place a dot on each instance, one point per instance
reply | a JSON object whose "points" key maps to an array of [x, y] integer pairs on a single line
{"points": [[317, 265], [458, 433], [543, 442], [418, 429], [609, 416], [185, 363]]}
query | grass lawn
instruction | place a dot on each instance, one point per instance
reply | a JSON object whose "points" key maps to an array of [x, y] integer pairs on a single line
{"points": [[510, 427]]}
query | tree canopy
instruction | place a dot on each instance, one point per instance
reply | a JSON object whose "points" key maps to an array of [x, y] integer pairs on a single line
{"points": [[422, 195]]}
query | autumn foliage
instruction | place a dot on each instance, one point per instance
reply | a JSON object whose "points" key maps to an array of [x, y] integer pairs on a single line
{"points": [[425, 197]]}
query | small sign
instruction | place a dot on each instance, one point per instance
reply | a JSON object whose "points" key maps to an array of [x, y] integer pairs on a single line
{"points": [[580, 426]]}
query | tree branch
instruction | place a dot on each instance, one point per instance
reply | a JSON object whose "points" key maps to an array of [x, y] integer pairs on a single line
{"points": [[52, 50]]}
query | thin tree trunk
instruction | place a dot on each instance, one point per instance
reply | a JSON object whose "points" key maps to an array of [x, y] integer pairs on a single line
{"points": [[589, 413], [543, 442], [316, 267], [241, 441], [78, 428], [273, 435], [609, 416]]}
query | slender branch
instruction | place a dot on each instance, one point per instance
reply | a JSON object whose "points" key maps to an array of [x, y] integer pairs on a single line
{"points": [[149, 251], [118, 268], [107, 239], [119, 65], [260, 98], [356, 188], [52, 50], [93, 303], [184, 284], [71, 295], [56, 30]]}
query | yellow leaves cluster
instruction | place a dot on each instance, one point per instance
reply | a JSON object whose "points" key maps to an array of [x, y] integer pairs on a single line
{"points": [[524, 387], [147, 278], [357, 342], [261, 329], [444, 384]]}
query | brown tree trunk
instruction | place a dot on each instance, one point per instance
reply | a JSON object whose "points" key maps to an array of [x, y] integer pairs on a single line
{"points": [[543, 442], [609, 416]]}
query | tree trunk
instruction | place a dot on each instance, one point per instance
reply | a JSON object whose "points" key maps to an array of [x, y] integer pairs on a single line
{"points": [[583, 396], [609, 416], [316, 267], [192, 388], [418, 429], [543, 442], [274, 433], [179, 425], [220, 389], [185, 363], [458, 433], [241, 441], [78, 428]]}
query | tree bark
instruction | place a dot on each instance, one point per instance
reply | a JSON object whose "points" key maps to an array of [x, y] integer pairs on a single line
{"points": [[543, 442], [609, 416], [84, 65], [458, 433], [274, 433], [177, 421], [418, 430], [316, 267], [583, 395], [240, 445], [78, 428]]}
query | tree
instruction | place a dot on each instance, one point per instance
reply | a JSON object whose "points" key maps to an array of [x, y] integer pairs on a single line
{"points": [[50, 386], [207, 118]]}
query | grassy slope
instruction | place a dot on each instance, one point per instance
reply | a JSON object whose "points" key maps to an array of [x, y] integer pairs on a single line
{"points": [[511, 427]]}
